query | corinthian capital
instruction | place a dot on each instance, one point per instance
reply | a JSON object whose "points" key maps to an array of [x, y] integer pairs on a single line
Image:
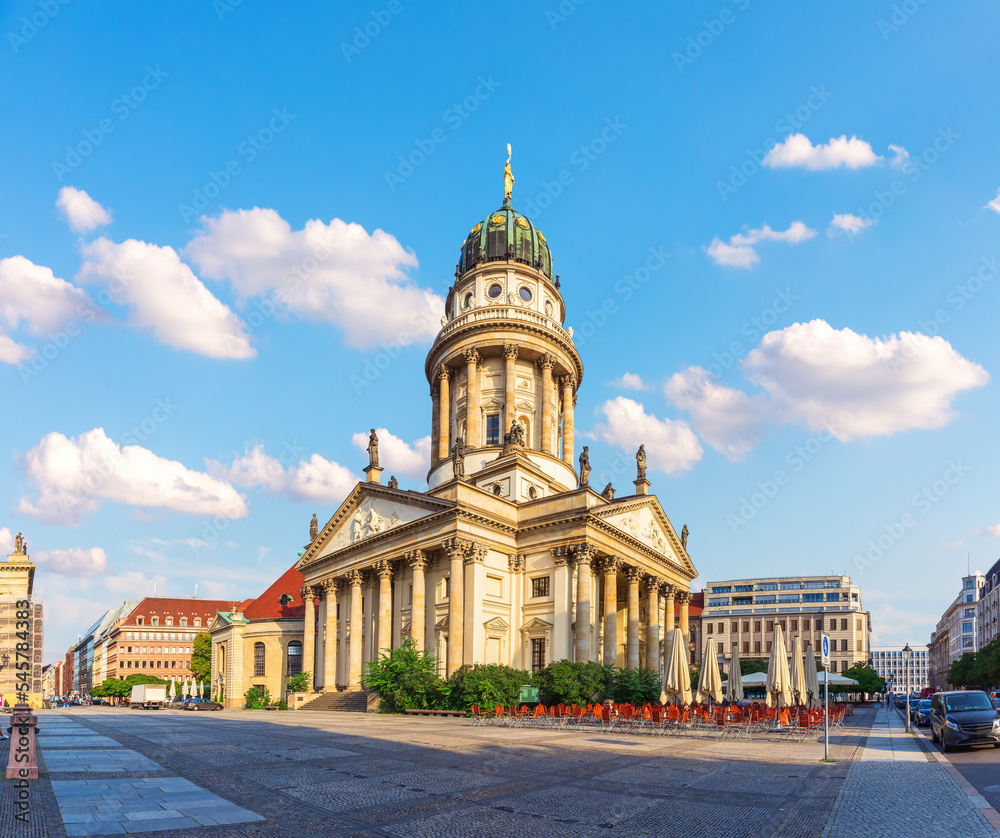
{"points": [[585, 554], [383, 569], [443, 372], [456, 547], [355, 577], [472, 356], [546, 362], [634, 574], [476, 553], [417, 559], [609, 564], [683, 597], [510, 351], [516, 563]]}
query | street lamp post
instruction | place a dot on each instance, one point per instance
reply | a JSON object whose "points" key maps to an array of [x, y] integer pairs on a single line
{"points": [[906, 665]]}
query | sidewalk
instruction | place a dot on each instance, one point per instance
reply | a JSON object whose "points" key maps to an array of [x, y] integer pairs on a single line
{"points": [[898, 788]]}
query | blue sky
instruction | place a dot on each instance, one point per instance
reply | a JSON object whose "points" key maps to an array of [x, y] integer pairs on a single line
{"points": [[773, 217]]}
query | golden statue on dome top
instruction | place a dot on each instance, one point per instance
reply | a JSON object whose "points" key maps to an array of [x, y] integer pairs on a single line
{"points": [[508, 178]]}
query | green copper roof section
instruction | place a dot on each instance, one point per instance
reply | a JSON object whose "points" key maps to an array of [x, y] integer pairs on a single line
{"points": [[506, 235]]}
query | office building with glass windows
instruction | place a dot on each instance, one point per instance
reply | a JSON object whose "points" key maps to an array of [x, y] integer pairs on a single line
{"points": [[890, 663], [746, 611], [956, 633]]}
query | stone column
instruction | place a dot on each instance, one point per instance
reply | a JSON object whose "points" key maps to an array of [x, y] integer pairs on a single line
{"points": [[516, 565], [435, 424], [562, 600], [635, 576], [456, 548], [569, 402], [330, 590], [473, 439], [444, 413], [610, 567], [309, 633], [683, 597], [545, 365], [509, 380], [384, 571], [418, 614], [653, 623], [355, 579], [584, 586], [595, 597]]}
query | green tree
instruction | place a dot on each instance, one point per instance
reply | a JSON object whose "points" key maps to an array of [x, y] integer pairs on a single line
{"points": [[486, 685], [565, 682], [406, 678], [749, 666], [635, 686], [201, 656], [299, 683], [964, 672], [256, 698], [869, 681]]}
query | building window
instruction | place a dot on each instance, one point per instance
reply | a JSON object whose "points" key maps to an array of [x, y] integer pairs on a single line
{"points": [[708, 628], [184, 621], [833, 645], [722, 648], [138, 621], [833, 666], [170, 621], [756, 625], [733, 628], [770, 626], [294, 658], [537, 654], [493, 429], [540, 588], [795, 625], [843, 625], [746, 647], [155, 621], [258, 660], [769, 647], [746, 626], [197, 621]]}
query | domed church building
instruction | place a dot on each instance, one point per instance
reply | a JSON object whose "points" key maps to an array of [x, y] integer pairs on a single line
{"points": [[510, 556]]}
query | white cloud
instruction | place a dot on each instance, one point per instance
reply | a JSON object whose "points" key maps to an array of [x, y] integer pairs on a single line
{"points": [[798, 152], [628, 381], [901, 157], [32, 293], [398, 457], [727, 419], [316, 479], [864, 386], [850, 224], [740, 253], [6, 541], [671, 445], [333, 272], [74, 475], [76, 561], [82, 212], [992, 531], [166, 298], [994, 204]]}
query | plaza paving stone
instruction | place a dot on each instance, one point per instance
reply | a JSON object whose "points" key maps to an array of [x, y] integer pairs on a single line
{"points": [[312, 774]]}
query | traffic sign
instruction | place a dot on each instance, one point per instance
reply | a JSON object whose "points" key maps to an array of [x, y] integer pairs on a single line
{"points": [[826, 651]]}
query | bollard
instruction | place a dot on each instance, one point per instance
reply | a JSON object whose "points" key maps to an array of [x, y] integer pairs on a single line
{"points": [[22, 764]]}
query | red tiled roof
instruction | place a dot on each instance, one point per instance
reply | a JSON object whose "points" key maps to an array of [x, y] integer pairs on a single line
{"points": [[268, 605], [177, 607]]}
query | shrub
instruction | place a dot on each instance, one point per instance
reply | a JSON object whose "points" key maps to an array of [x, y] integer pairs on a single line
{"points": [[299, 683], [257, 697], [282, 705], [565, 682], [406, 678], [635, 686], [486, 685]]}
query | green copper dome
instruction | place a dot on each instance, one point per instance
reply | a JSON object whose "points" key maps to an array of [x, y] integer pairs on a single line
{"points": [[506, 235]]}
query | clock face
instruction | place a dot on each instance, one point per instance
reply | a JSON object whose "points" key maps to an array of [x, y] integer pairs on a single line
{"points": [[522, 223], [497, 220]]}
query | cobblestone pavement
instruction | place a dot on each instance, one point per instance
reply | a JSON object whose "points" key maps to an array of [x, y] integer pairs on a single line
{"points": [[339, 774], [897, 787]]}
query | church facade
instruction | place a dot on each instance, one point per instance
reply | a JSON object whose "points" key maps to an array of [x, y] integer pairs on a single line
{"points": [[509, 556]]}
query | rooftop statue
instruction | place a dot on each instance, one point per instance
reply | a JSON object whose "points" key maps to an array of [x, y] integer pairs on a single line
{"points": [[640, 461], [313, 528], [684, 537], [508, 178], [609, 492], [458, 457], [585, 466], [373, 449]]}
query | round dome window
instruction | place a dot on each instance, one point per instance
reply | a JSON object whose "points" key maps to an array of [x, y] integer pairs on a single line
{"points": [[468, 301], [524, 293], [495, 291]]}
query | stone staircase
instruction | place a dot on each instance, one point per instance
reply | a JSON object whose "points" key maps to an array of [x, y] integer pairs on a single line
{"points": [[341, 701]]}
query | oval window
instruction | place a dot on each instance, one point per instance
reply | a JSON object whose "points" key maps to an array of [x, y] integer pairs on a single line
{"points": [[468, 301], [495, 290], [524, 293]]}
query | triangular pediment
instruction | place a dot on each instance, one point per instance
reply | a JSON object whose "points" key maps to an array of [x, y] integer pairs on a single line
{"points": [[643, 519], [536, 624], [496, 624], [370, 512]]}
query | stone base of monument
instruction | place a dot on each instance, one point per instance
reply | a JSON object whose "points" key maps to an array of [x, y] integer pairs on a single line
{"points": [[22, 762]]}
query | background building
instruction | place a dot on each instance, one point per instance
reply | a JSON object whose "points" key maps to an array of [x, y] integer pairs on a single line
{"points": [[956, 632], [888, 662], [20, 625], [745, 611], [988, 608]]}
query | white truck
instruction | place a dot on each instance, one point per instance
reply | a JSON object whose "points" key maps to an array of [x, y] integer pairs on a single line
{"points": [[148, 697]]}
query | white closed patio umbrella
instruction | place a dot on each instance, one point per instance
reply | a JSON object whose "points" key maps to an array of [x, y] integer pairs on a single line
{"points": [[734, 688], [710, 679], [812, 678], [778, 689], [677, 676], [798, 675]]}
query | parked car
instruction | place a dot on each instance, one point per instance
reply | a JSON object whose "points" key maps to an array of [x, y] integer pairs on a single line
{"points": [[202, 704], [964, 718], [922, 712]]}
